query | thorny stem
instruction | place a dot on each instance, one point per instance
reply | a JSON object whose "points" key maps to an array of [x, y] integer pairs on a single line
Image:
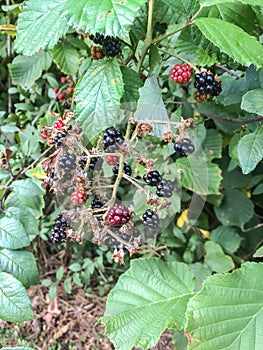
{"points": [[234, 121], [230, 72], [118, 179], [135, 183], [148, 40]]}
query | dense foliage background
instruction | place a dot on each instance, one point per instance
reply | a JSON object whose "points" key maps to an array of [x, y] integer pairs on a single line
{"points": [[201, 278]]}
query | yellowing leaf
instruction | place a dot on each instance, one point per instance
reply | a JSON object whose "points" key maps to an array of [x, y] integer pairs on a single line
{"points": [[205, 233], [183, 219]]}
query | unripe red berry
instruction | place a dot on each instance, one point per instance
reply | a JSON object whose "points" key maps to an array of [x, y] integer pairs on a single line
{"points": [[69, 90], [118, 215], [181, 73], [112, 160], [43, 133], [56, 90], [61, 96], [63, 80], [58, 124], [78, 198]]}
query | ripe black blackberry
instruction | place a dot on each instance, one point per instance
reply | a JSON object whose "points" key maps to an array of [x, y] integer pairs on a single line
{"points": [[206, 83], [126, 169], [97, 38], [97, 203], [59, 136], [183, 148], [111, 46], [165, 188], [95, 162], [67, 161], [82, 162], [58, 233], [111, 137], [153, 178], [150, 219]]}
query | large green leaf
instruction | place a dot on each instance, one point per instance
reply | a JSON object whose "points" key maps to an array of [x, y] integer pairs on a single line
{"points": [[109, 17], [132, 83], [198, 175], [228, 37], [148, 298], [227, 237], [26, 70], [217, 2], [14, 302], [27, 188], [12, 233], [235, 210], [228, 312], [151, 107], [26, 218], [213, 144], [250, 150], [98, 96], [21, 264], [170, 11], [252, 101], [40, 25], [216, 259], [66, 57]]}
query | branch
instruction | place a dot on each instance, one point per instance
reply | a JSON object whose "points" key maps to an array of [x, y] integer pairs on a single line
{"points": [[233, 121], [148, 39]]}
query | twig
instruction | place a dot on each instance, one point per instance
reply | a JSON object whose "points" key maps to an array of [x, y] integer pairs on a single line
{"points": [[233, 121], [230, 72]]}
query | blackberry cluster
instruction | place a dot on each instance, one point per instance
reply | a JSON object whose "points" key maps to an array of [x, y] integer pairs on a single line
{"points": [[59, 136], [111, 137], [150, 219], [165, 188], [78, 197], [95, 162], [206, 83], [97, 203], [67, 161], [58, 124], [126, 170], [82, 162], [153, 178], [111, 45], [118, 215], [58, 233], [182, 149]]}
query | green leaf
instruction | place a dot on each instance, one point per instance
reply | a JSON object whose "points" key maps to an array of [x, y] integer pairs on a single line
{"points": [[151, 106], [198, 175], [235, 210], [227, 237], [109, 17], [170, 11], [21, 264], [228, 312], [216, 259], [26, 70], [250, 150], [17, 348], [27, 188], [14, 302], [66, 57], [252, 101], [258, 253], [59, 273], [228, 37], [213, 144], [132, 83], [258, 189], [98, 96], [40, 25], [148, 298], [216, 2], [12, 233]]}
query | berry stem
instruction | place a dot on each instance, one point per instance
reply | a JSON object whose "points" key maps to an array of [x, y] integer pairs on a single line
{"points": [[180, 59], [118, 178], [148, 39], [135, 183]]}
